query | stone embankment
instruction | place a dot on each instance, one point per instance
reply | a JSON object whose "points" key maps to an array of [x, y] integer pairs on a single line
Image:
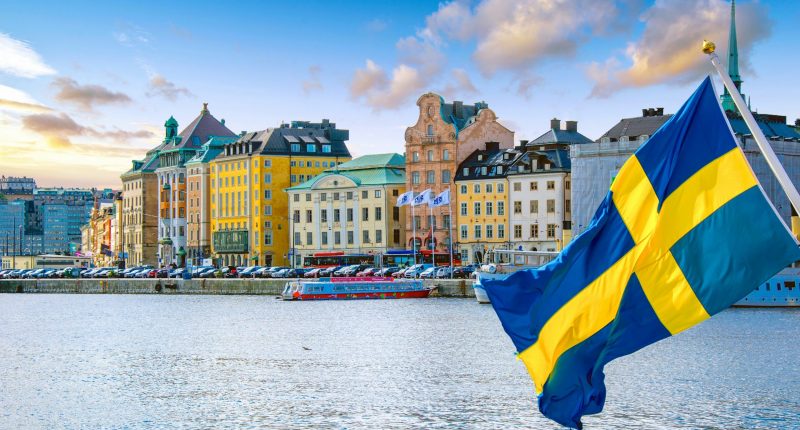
{"points": [[446, 287]]}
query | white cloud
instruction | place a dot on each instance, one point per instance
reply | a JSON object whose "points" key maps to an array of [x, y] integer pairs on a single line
{"points": [[459, 86], [19, 59], [669, 49], [12, 99], [379, 91]]}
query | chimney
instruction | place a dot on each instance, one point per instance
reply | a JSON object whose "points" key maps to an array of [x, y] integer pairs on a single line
{"points": [[572, 126], [660, 111], [555, 124], [644, 112], [523, 143], [458, 109], [222, 121]]}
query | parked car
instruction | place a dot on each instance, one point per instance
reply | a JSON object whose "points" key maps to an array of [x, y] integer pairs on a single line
{"points": [[415, 270], [369, 271], [248, 272], [312, 273], [428, 273], [229, 272], [463, 272], [442, 273], [329, 271], [400, 273], [387, 271]]}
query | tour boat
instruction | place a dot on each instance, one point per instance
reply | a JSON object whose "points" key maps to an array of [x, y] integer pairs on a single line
{"points": [[501, 263], [355, 288], [780, 291]]}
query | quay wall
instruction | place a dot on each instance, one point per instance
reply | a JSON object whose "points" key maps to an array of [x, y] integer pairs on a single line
{"points": [[446, 287]]}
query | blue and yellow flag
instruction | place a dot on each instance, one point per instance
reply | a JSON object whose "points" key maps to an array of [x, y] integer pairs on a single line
{"points": [[685, 232]]}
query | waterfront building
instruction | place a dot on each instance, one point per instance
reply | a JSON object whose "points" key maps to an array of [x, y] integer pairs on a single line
{"points": [[16, 188], [12, 220], [198, 195], [139, 220], [249, 204], [444, 135], [595, 165], [350, 207], [57, 217], [100, 235], [174, 152], [481, 208], [539, 188]]}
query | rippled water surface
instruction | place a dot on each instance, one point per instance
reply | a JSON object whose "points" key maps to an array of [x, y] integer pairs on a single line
{"points": [[146, 361]]}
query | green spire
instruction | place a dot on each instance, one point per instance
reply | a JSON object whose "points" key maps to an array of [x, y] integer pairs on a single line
{"points": [[733, 63]]}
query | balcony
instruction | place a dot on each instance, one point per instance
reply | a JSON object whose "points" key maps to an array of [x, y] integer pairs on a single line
{"points": [[430, 139]]}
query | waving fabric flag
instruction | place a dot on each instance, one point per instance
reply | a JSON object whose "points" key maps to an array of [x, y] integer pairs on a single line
{"points": [[442, 199], [422, 198], [405, 198], [685, 232]]}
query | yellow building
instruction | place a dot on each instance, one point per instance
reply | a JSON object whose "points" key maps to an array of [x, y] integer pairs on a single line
{"points": [[249, 205], [483, 211]]}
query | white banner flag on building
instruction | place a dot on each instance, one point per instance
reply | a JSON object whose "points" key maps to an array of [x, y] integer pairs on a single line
{"points": [[442, 199], [405, 198], [423, 198]]}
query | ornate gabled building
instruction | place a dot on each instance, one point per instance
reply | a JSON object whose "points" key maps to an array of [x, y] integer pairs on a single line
{"points": [[173, 154], [249, 178], [444, 135]]}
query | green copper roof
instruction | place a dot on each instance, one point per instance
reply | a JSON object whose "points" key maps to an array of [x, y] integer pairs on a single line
{"points": [[369, 170], [171, 122], [211, 149], [733, 64]]}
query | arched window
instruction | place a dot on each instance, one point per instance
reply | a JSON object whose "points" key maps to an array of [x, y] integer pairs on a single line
{"points": [[430, 129]]}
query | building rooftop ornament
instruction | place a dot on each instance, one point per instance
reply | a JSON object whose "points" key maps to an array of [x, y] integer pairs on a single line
{"points": [[204, 111], [733, 63]]}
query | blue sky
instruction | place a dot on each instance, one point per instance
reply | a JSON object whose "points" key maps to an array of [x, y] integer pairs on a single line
{"points": [[84, 88]]}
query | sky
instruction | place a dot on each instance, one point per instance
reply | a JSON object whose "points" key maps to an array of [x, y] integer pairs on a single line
{"points": [[85, 88]]}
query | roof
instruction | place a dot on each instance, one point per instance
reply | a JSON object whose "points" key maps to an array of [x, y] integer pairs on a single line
{"points": [[459, 114], [487, 163], [635, 127], [295, 139], [560, 136], [368, 170], [202, 128], [534, 161], [211, 149], [772, 129]]}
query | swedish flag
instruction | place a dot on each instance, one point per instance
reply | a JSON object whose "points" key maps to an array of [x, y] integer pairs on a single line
{"points": [[685, 232]]}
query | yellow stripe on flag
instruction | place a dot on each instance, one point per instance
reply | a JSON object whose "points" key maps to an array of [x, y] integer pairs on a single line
{"points": [[636, 200]]}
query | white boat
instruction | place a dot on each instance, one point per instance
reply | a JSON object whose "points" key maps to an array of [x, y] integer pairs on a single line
{"points": [[780, 291], [499, 263]]}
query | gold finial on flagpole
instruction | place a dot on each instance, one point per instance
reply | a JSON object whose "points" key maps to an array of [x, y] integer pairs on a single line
{"points": [[708, 47]]}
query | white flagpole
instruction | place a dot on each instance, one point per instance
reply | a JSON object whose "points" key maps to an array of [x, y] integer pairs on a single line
{"points": [[450, 210], [761, 140], [414, 228]]}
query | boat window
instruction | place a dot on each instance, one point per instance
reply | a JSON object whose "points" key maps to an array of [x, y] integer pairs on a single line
{"points": [[778, 286], [789, 285], [767, 286]]}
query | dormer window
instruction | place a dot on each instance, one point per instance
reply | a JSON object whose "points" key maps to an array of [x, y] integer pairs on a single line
{"points": [[623, 139], [480, 157], [605, 139], [643, 137]]}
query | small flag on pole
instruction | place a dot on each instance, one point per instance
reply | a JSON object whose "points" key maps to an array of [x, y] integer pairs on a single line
{"points": [[685, 232], [442, 199], [405, 198], [422, 198]]}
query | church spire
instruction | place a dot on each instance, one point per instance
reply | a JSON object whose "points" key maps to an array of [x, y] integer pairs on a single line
{"points": [[733, 63]]}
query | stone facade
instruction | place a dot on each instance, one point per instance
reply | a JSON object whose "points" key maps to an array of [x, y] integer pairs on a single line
{"points": [[139, 218], [444, 135]]}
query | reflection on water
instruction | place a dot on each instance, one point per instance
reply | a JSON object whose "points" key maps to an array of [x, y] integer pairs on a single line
{"points": [[96, 361]]}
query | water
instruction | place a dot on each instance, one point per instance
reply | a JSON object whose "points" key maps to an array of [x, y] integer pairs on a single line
{"points": [[148, 361]]}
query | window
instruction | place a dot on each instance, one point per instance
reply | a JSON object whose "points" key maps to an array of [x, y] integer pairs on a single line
{"points": [[326, 148], [431, 177], [465, 171], [293, 178], [517, 207], [446, 221], [350, 215], [336, 215], [337, 238], [365, 214], [430, 155], [308, 216], [430, 129], [476, 188], [324, 239], [534, 206], [415, 177], [296, 216], [349, 237], [268, 210], [297, 238], [535, 231], [551, 206], [445, 176], [378, 214], [267, 163], [534, 185], [489, 208], [517, 186], [489, 231], [551, 185], [365, 236], [478, 229], [267, 238], [463, 189], [551, 231], [308, 197], [395, 213], [295, 147], [323, 197], [566, 185], [296, 197], [446, 155], [476, 210], [501, 231], [501, 188], [365, 194], [415, 156], [310, 147], [377, 194], [517, 231], [567, 206], [323, 215], [501, 208], [489, 188], [309, 238], [463, 208], [378, 236], [349, 195], [417, 222], [268, 194], [395, 193]]}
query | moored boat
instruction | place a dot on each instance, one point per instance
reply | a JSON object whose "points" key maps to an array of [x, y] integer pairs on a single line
{"points": [[780, 291], [500, 263], [355, 288]]}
